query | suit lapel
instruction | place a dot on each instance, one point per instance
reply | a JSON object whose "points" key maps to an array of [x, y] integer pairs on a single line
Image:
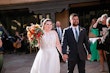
{"points": [[80, 30]]}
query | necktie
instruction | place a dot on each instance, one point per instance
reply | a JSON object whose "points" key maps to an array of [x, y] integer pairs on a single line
{"points": [[76, 33]]}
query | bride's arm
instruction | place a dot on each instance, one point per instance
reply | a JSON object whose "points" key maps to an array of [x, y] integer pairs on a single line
{"points": [[58, 45]]}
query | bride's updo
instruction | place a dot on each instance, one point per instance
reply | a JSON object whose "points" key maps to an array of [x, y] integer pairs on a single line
{"points": [[44, 21]]}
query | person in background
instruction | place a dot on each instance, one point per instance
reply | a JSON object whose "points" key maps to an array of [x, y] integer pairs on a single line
{"points": [[75, 37], [17, 44], [24, 43], [59, 30], [1, 54], [107, 43], [101, 26], [1, 31], [93, 33]]}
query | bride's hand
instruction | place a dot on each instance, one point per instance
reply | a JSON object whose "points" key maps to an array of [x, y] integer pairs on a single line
{"points": [[65, 57]]}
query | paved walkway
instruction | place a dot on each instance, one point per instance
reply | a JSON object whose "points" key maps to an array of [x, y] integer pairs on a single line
{"points": [[14, 63]]}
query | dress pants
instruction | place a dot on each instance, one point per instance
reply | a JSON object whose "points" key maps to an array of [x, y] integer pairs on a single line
{"points": [[80, 63], [108, 61]]}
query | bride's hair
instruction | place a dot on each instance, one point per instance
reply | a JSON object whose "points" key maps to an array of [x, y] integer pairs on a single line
{"points": [[41, 21], [44, 21]]}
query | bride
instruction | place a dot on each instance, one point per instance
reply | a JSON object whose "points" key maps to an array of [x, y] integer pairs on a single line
{"points": [[47, 58]]}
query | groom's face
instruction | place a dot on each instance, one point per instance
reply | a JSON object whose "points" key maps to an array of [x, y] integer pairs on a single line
{"points": [[74, 21]]}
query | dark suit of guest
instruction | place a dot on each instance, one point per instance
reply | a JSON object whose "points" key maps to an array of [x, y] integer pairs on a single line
{"points": [[77, 53], [107, 49]]}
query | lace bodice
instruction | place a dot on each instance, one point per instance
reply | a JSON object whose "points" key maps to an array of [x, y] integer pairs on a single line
{"points": [[48, 40]]}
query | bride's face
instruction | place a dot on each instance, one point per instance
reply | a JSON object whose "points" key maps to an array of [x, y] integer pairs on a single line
{"points": [[48, 26]]}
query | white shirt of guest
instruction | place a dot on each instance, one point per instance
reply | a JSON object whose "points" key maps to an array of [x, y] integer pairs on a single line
{"points": [[59, 32]]}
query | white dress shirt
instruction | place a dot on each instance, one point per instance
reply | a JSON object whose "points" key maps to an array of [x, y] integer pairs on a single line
{"points": [[73, 29]]}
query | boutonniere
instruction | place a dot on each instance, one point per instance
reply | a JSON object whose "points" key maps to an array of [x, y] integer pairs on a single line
{"points": [[81, 29]]}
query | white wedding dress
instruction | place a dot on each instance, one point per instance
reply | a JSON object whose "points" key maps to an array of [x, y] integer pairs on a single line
{"points": [[47, 58]]}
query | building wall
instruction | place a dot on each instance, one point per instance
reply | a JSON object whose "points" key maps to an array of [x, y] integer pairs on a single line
{"points": [[45, 7], [63, 17], [41, 9]]}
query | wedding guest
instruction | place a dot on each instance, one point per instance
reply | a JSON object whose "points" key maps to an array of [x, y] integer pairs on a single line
{"points": [[101, 25], [76, 39], [1, 54], [59, 30], [1, 31], [17, 42], [24, 43], [107, 43], [93, 33], [47, 58]]}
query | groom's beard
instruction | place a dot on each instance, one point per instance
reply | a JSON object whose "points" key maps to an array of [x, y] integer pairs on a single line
{"points": [[75, 24]]}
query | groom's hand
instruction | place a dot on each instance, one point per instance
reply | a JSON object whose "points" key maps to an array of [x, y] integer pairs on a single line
{"points": [[89, 56], [65, 57]]}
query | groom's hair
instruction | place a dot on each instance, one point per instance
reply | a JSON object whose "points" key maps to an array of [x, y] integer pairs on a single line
{"points": [[73, 15]]}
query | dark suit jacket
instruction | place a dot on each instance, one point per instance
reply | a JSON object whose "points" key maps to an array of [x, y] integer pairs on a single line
{"points": [[56, 30], [75, 48], [107, 42]]}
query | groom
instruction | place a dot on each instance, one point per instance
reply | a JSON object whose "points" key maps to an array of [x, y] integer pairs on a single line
{"points": [[76, 39]]}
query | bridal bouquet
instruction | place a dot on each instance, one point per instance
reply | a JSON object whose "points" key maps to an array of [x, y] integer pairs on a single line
{"points": [[34, 34]]}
